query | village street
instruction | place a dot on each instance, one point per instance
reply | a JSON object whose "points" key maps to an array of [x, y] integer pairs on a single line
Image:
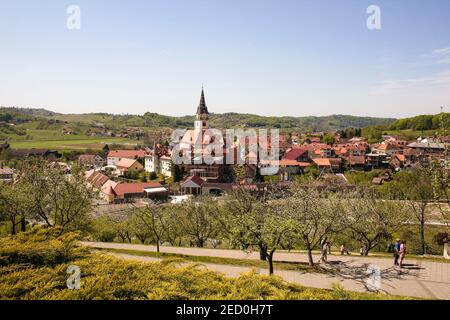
{"points": [[420, 278]]}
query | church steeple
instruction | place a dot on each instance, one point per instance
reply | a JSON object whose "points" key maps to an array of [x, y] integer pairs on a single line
{"points": [[202, 108], [202, 116]]}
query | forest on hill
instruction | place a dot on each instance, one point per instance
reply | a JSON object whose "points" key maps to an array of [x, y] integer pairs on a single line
{"points": [[226, 120]]}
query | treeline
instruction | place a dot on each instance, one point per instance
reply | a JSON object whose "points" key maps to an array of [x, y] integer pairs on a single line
{"points": [[440, 123], [422, 122], [226, 120]]}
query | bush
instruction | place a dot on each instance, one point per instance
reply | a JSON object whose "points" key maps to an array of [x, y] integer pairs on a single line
{"points": [[103, 229], [39, 247]]}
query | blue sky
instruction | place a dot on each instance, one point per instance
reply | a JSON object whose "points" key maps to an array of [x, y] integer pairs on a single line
{"points": [[255, 56]]}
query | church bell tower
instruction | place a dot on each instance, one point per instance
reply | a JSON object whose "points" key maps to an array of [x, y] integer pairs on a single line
{"points": [[202, 116]]}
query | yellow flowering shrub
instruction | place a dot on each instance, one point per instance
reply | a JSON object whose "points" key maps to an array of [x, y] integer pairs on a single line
{"points": [[34, 265]]}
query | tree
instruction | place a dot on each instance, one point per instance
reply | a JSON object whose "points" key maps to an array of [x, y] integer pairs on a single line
{"points": [[154, 221], [313, 216], [250, 222], [123, 229], [371, 220], [243, 201], [103, 229], [197, 220], [142, 234], [15, 204], [415, 187], [105, 149], [329, 139], [57, 199], [174, 231], [178, 173]]}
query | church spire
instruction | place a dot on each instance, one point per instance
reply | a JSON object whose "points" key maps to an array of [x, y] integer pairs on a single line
{"points": [[202, 108]]}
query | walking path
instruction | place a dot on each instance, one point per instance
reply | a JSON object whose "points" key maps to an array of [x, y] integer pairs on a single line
{"points": [[419, 278]]}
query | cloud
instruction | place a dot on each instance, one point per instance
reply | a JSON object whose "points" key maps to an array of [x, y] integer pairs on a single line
{"points": [[442, 55], [442, 51], [437, 79]]}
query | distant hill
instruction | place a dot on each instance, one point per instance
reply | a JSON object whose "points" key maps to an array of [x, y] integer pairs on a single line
{"points": [[225, 120], [411, 128]]}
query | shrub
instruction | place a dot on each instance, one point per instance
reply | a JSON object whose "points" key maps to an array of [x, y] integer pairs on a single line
{"points": [[34, 266], [39, 247]]}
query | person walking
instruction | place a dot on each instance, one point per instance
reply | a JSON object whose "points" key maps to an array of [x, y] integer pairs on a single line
{"points": [[363, 251], [324, 252], [396, 252], [344, 249], [402, 252]]}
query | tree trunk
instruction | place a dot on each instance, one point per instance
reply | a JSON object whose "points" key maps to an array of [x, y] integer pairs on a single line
{"points": [[422, 235], [262, 252], [23, 225], [13, 228], [157, 245], [310, 257], [270, 261]]}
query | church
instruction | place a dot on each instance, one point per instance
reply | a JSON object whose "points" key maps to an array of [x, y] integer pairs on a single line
{"points": [[190, 142]]}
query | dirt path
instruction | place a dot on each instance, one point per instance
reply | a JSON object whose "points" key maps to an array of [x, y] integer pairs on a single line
{"points": [[419, 278]]}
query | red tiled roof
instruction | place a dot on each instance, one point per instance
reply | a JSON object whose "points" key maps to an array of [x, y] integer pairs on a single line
{"points": [[322, 162], [96, 178], [126, 163], [327, 162], [196, 179], [123, 188], [294, 154], [130, 154], [356, 160]]}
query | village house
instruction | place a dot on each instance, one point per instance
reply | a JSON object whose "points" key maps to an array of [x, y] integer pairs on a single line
{"points": [[328, 164], [91, 161], [289, 168], [38, 153], [398, 161], [114, 156], [428, 148], [125, 166], [159, 161], [192, 185], [297, 154], [377, 161], [127, 192], [356, 162], [95, 178], [387, 148]]}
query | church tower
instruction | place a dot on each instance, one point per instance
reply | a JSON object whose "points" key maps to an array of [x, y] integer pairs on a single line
{"points": [[202, 116]]}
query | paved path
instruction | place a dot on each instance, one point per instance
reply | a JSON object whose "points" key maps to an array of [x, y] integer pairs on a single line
{"points": [[419, 278]]}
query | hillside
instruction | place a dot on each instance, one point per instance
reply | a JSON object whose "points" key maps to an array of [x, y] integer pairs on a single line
{"points": [[411, 128], [226, 120]]}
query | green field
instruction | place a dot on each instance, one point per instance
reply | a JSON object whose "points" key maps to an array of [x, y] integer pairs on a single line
{"points": [[70, 144], [29, 135]]}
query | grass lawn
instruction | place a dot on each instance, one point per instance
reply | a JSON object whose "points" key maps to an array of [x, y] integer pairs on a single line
{"points": [[74, 143]]}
